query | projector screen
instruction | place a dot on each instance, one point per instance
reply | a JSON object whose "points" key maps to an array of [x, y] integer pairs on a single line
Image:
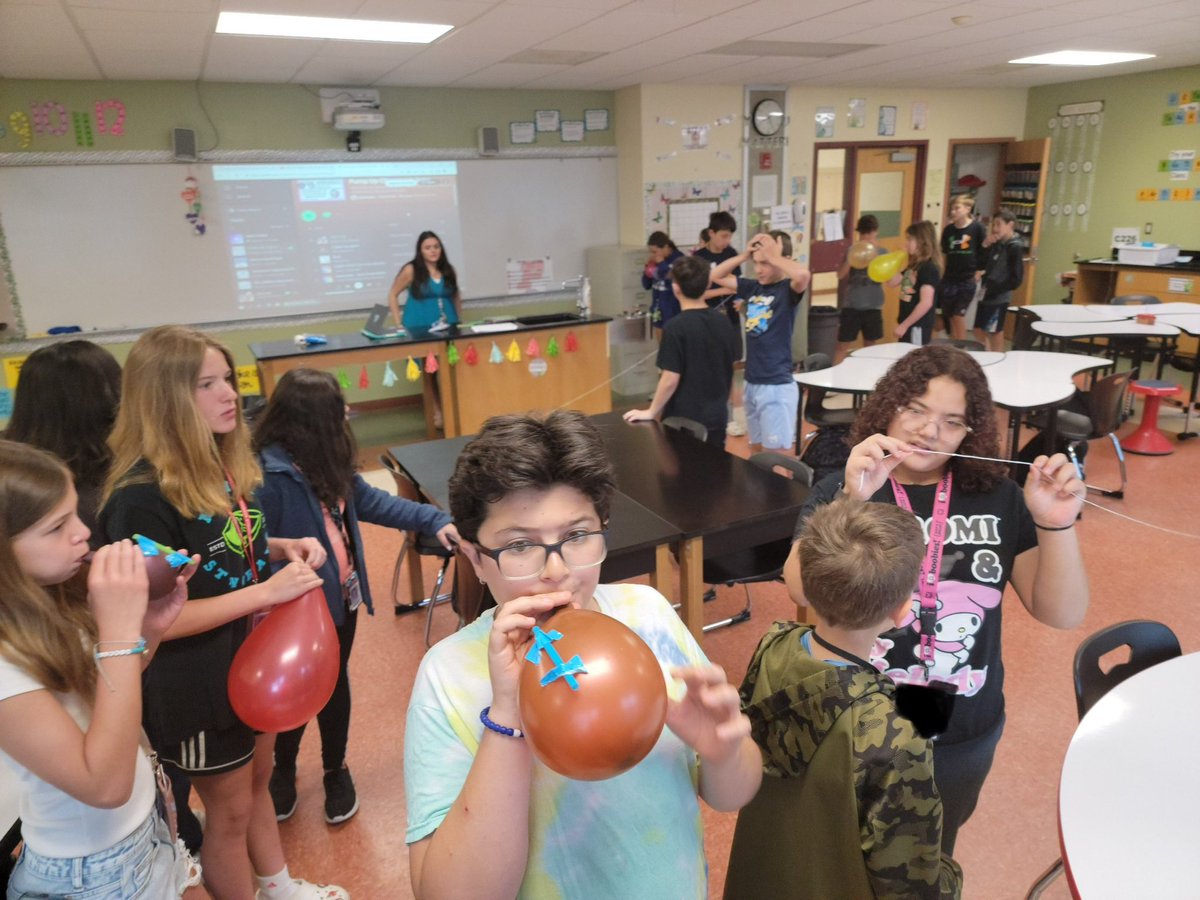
{"points": [[325, 236], [110, 247]]}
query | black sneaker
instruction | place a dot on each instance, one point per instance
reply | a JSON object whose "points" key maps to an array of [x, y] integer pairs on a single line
{"points": [[341, 800], [283, 792]]}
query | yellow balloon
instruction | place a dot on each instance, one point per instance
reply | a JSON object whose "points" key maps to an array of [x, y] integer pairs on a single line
{"points": [[860, 254], [886, 267]]}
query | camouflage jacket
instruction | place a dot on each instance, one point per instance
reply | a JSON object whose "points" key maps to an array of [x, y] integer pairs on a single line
{"points": [[848, 807]]}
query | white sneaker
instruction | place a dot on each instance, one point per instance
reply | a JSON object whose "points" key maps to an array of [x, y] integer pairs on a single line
{"points": [[735, 429]]}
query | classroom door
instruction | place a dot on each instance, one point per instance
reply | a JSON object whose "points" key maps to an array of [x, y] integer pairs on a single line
{"points": [[886, 187], [1026, 164]]}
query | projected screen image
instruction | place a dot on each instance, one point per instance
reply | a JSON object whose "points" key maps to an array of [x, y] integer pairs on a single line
{"points": [[314, 236]]}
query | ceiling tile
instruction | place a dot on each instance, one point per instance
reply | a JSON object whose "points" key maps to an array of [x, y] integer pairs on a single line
{"points": [[234, 57], [39, 41]]}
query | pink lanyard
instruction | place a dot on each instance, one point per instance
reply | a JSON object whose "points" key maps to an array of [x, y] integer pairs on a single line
{"points": [[927, 585], [246, 538]]}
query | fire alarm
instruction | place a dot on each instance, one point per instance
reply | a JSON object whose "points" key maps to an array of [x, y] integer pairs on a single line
{"points": [[766, 160]]}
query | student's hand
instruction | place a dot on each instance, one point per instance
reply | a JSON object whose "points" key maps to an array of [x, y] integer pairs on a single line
{"points": [[507, 644], [118, 591], [1054, 492], [898, 332], [638, 415], [307, 550], [288, 583], [162, 612], [870, 464], [709, 718], [449, 536]]}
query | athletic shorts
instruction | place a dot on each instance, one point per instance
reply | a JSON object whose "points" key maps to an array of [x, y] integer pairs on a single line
{"points": [[771, 414], [212, 752], [989, 317], [852, 321], [953, 297]]}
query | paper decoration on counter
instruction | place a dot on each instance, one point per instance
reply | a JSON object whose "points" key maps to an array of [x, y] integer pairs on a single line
{"points": [[412, 371], [343, 379], [389, 375], [532, 350], [364, 380], [117, 128], [431, 363], [83, 130], [19, 123], [452, 354], [471, 357], [538, 367], [44, 112], [191, 196], [495, 356], [514, 352], [572, 342], [552, 347]]}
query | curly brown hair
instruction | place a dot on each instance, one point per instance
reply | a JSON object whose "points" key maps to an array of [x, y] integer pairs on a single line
{"points": [[909, 378]]}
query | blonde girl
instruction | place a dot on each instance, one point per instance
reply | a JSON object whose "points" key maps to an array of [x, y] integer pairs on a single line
{"points": [[86, 790], [183, 474], [918, 284]]}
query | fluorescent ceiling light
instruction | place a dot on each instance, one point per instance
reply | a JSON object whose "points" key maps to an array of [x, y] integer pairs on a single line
{"points": [[1081, 58], [329, 28]]}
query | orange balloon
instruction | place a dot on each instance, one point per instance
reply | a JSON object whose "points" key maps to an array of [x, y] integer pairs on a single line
{"points": [[285, 672], [860, 254], [616, 715]]}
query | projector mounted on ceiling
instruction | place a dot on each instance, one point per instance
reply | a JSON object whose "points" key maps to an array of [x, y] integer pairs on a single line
{"points": [[358, 116]]}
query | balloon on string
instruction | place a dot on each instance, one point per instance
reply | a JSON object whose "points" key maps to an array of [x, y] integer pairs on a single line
{"points": [[860, 254], [616, 713], [886, 267], [285, 671]]}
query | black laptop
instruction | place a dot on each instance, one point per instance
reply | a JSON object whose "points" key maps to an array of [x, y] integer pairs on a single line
{"points": [[379, 326]]}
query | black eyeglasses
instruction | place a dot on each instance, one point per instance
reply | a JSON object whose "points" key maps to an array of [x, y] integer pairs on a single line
{"points": [[526, 559]]}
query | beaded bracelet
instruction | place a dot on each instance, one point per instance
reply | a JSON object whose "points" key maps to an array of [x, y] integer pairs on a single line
{"points": [[1054, 528], [499, 729], [139, 646]]}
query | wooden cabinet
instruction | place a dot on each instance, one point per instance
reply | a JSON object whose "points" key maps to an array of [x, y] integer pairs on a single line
{"points": [[1100, 282], [1023, 190]]}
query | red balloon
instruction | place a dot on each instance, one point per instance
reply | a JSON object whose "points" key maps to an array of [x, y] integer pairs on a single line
{"points": [[615, 716], [285, 672]]}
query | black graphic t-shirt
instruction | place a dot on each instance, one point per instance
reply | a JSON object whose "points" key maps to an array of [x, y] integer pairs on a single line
{"points": [[986, 533], [185, 685]]}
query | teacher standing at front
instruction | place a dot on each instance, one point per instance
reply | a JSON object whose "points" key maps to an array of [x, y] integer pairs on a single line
{"points": [[432, 287]]}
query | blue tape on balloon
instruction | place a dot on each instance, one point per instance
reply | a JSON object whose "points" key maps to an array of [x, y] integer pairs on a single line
{"points": [[565, 670]]}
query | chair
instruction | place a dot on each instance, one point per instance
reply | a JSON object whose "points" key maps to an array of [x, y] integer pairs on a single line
{"points": [[1134, 300], [683, 423], [420, 545], [961, 343], [1024, 337], [8, 852], [812, 409], [1134, 348], [755, 564], [1149, 643], [1105, 411]]}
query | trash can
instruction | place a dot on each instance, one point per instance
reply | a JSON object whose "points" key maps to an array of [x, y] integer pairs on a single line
{"points": [[822, 330]]}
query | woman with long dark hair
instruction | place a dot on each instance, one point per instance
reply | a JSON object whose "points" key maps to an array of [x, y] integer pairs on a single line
{"points": [[432, 286], [311, 490], [915, 440]]}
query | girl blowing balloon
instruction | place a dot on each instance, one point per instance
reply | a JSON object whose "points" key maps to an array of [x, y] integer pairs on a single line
{"points": [[183, 474], [87, 792]]}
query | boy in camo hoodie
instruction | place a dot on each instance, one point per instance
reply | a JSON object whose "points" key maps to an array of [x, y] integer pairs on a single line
{"points": [[848, 807]]}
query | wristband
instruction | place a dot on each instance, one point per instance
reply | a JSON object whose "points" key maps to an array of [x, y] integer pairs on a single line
{"points": [[499, 729], [1053, 527], [138, 647]]}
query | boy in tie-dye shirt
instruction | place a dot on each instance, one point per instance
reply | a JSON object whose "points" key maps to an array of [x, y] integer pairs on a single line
{"points": [[530, 496]]}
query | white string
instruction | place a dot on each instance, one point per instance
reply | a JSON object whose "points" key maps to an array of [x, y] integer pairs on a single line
{"points": [[1106, 509]]}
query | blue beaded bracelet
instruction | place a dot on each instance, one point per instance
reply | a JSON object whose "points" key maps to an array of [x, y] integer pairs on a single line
{"points": [[499, 729]]}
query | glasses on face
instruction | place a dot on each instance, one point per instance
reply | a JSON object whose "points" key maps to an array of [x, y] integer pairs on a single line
{"points": [[525, 559], [915, 418]]}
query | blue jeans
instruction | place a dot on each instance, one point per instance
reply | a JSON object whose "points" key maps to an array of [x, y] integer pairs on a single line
{"points": [[141, 866]]}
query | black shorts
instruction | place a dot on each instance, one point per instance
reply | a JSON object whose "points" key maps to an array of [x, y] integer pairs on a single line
{"points": [[953, 297], [212, 752], [989, 317], [851, 321]]}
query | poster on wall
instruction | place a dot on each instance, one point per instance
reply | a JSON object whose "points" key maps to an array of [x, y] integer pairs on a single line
{"points": [[887, 121], [823, 121], [856, 112]]}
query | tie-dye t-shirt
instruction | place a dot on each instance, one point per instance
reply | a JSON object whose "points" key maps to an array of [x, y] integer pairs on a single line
{"points": [[636, 835]]}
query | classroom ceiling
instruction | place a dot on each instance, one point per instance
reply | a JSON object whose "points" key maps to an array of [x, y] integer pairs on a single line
{"points": [[603, 44]]}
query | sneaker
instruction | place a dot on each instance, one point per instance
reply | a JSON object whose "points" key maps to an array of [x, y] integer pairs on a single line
{"points": [[306, 890], [735, 429], [283, 792], [341, 800]]}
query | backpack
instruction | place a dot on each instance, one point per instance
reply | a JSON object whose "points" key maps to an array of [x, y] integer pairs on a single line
{"points": [[828, 451]]}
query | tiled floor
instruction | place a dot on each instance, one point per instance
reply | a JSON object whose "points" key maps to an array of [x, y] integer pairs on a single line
{"points": [[1134, 570]]}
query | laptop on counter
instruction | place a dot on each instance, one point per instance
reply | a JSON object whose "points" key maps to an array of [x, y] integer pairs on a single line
{"points": [[378, 326]]}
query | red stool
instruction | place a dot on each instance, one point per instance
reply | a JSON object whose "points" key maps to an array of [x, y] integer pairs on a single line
{"points": [[1148, 440]]}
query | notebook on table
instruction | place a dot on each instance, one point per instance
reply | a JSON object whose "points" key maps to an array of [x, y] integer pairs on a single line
{"points": [[378, 326]]}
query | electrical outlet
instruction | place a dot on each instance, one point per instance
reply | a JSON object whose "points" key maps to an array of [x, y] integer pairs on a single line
{"points": [[1148, 228]]}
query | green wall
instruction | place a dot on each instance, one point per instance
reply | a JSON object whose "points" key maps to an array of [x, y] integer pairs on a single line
{"points": [[1132, 143]]}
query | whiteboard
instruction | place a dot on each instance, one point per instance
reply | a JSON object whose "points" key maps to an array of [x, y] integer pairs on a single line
{"points": [[107, 246]]}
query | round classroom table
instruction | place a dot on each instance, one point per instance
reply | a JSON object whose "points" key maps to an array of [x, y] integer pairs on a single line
{"points": [[897, 349], [1174, 308], [1049, 312], [1129, 790], [1111, 328]]}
